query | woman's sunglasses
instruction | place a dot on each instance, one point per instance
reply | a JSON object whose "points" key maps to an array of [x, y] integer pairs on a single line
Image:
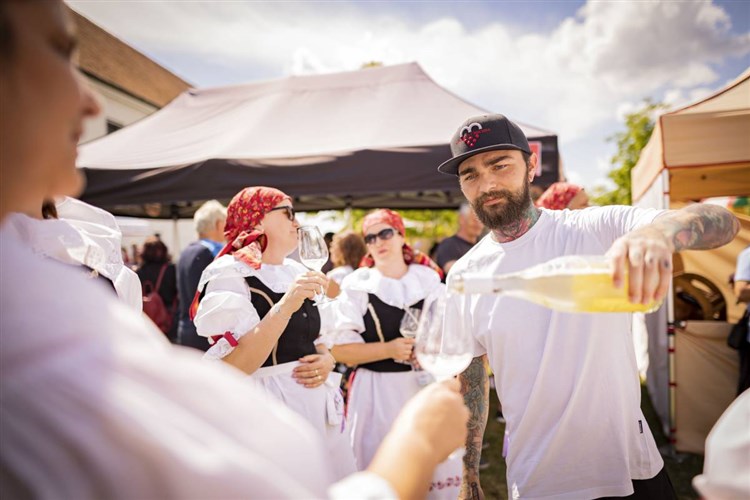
{"points": [[385, 234], [289, 211]]}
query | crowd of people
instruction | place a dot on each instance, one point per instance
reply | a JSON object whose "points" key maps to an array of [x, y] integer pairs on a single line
{"points": [[97, 403]]}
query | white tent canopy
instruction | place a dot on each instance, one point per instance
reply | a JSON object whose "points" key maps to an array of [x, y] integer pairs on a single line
{"points": [[362, 138]]}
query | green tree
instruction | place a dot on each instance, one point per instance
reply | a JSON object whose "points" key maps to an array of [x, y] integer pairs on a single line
{"points": [[638, 128]]}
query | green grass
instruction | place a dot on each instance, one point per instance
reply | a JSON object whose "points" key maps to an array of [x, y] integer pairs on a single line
{"points": [[681, 469]]}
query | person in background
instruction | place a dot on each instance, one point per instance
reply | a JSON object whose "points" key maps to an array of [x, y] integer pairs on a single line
{"points": [[569, 434], [157, 272], [209, 222], [366, 334], [742, 292], [562, 195], [347, 250], [328, 237], [95, 403], [254, 308], [454, 247]]}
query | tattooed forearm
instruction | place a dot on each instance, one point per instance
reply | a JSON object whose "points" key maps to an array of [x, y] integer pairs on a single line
{"points": [[475, 388], [699, 227]]}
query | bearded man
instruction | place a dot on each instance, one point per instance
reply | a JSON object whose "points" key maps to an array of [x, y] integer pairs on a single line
{"points": [[568, 383]]}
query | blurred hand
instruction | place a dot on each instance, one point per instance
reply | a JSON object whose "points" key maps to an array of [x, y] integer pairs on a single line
{"points": [[436, 417], [400, 349], [314, 369], [646, 255]]}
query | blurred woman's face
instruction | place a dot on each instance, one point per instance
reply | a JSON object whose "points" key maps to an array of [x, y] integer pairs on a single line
{"points": [[384, 243], [280, 226]]}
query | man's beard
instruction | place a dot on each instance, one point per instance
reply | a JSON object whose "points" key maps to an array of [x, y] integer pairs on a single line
{"points": [[506, 213]]}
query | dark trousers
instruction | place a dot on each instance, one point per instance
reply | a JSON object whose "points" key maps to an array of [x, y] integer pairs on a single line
{"points": [[658, 487]]}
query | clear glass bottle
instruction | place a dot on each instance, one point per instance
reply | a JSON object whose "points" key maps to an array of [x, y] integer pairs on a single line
{"points": [[574, 283]]}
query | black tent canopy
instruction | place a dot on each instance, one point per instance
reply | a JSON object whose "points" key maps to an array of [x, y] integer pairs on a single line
{"points": [[363, 139]]}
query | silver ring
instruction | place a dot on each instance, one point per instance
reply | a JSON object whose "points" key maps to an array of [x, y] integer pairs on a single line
{"points": [[320, 378], [316, 371]]}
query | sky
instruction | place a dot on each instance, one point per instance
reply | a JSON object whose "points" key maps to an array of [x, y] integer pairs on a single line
{"points": [[573, 67]]}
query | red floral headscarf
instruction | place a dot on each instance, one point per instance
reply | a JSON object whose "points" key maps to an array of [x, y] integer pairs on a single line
{"points": [[244, 213], [393, 219], [245, 242], [558, 196]]}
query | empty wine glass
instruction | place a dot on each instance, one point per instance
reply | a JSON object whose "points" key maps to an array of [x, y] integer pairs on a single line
{"points": [[313, 253], [408, 327], [444, 342], [410, 322]]}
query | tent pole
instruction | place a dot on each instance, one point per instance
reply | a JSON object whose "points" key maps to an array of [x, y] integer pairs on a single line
{"points": [[672, 390]]}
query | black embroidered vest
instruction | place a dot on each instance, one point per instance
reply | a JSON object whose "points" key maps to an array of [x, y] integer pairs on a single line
{"points": [[384, 326], [301, 331]]}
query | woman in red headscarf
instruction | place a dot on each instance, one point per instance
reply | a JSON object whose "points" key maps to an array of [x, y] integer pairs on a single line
{"points": [[391, 278], [562, 195], [255, 307]]}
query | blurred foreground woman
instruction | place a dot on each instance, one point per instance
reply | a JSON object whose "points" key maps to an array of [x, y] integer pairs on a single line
{"points": [[94, 402], [257, 313]]}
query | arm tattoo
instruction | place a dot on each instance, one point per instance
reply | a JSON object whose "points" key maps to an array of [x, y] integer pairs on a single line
{"points": [[475, 388], [699, 227]]}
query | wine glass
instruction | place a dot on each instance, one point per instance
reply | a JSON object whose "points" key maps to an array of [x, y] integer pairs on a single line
{"points": [[444, 344], [313, 253], [410, 322], [408, 327]]}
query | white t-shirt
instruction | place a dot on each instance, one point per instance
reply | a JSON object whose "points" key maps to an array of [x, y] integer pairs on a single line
{"points": [[568, 383], [95, 403]]}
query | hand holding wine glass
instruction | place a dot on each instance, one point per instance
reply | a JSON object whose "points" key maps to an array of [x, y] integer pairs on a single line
{"points": [[313, 253]]}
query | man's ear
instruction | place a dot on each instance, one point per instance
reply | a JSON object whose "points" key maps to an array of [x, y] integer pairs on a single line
{"points": [[533, 159]]}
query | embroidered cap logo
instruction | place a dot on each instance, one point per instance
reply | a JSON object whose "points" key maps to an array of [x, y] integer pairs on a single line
{"points": [[470, 133]]}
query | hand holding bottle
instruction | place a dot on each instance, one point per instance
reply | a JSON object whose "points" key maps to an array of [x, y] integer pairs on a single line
{"points": [[644, 258]]}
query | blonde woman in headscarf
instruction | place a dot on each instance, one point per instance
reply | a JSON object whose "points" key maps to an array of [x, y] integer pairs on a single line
{"points": [[254, 304]]}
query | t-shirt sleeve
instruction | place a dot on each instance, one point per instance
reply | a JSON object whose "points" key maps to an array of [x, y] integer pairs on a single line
{"points": [[460, 320], [611, 222]]}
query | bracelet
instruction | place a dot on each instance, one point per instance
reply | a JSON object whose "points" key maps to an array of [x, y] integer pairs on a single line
{"points": [[277, 312]]}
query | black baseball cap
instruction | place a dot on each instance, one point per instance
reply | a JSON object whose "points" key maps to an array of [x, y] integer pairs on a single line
{"points": [[483, 133]]}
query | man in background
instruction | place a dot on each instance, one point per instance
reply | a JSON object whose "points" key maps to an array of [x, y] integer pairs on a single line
{"points": [[209, 222], [454, 247]]}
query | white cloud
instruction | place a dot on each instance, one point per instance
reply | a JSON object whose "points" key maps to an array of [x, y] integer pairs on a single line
{"points": [[573, 80]]}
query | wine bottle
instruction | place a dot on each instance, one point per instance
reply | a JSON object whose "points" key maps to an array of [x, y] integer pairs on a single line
{"points": [[575, 283]]}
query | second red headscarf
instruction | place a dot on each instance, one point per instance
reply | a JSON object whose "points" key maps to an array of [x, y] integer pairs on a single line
{"points": [[393, 219], [558, 196]]}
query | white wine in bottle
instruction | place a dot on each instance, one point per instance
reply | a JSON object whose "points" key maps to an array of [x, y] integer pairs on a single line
{"points": [[576, 283]]}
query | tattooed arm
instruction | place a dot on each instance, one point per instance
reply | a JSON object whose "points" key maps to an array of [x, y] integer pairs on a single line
{"points": [[475, 388], [647, 251]]}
